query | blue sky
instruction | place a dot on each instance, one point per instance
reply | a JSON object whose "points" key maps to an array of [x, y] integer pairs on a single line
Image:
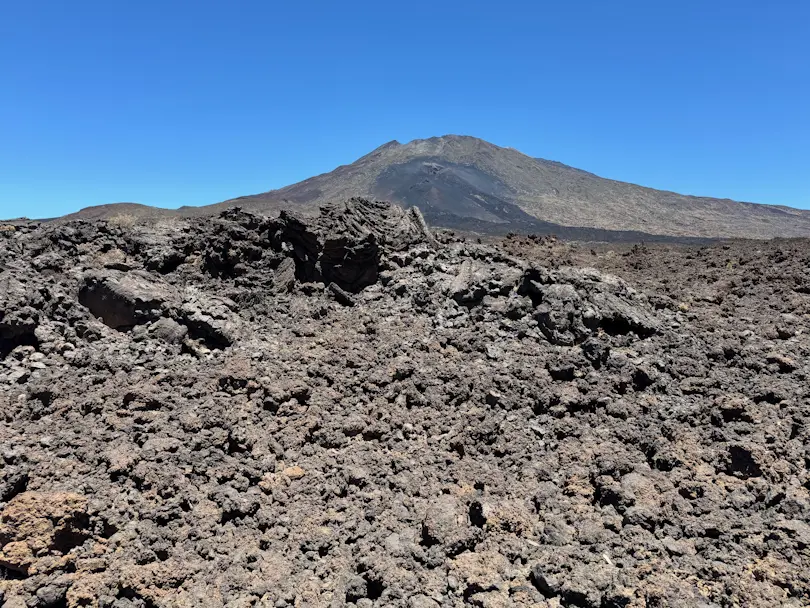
{"points": [[193, 102]]}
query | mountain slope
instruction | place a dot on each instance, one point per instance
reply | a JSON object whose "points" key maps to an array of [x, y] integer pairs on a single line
{"points": [[467, 183], [459, 179]]}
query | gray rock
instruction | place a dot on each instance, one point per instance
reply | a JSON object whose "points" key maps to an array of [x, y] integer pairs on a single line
{"points": [[124, 299]]}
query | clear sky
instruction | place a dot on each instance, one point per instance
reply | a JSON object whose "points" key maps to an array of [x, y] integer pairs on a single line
{"points": [[178, 102]]}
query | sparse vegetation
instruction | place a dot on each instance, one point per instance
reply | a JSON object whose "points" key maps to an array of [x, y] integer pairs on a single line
{"points": [[125, 221]]}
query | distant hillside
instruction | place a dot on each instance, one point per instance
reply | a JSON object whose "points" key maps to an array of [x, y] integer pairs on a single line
{"points": [[136, 210], [464, 182], [465, 177]]}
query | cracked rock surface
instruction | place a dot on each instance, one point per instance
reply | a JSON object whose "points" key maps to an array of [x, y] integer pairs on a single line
{"points": [[350, 410]]}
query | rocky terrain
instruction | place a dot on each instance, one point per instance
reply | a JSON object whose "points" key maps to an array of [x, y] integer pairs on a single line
{"points": [[354, 409], [466, 183]]}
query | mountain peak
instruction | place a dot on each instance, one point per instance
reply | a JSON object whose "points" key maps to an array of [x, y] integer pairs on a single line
{"points": [[452, 139], [391, 144], [464, 181]]}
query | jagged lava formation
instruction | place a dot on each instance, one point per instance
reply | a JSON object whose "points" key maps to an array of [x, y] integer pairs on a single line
{"points": [[352, 410]]}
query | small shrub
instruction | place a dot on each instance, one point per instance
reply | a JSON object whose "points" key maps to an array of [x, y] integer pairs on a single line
{"points": [[125, 221]]}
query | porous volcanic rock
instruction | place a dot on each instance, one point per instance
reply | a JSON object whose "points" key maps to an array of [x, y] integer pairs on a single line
{"points": [[351, 410]]}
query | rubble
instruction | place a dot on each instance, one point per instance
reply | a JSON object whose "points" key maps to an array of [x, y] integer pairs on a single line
{"points": [[352, 410]]}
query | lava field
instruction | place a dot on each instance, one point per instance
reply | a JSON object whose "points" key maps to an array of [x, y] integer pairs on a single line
{"points": [[355, 410]]}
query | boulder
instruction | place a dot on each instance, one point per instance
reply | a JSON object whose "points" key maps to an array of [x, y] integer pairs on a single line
{"points": [[37, 524], [211, 319], [446, 523], [572, 304], [124, 299], [168, 331], [19, 316], [284, 277], [344, 245]]}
